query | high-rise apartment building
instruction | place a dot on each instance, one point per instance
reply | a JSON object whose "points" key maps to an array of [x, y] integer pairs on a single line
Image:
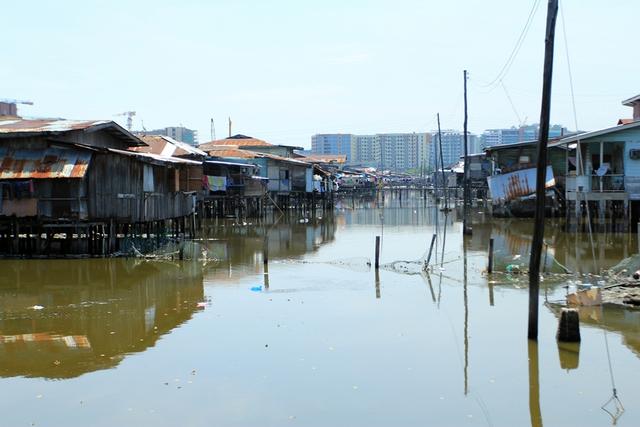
{"points": [[180, 133], [334, 143], [389, 151], [404, 151], [492, 137], [500, 136], [452, 147], [367, 151]]}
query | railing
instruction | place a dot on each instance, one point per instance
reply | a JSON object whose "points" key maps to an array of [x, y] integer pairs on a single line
{"points": [[595, 183], [607, 183]]}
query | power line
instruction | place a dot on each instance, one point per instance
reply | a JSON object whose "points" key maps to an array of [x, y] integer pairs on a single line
{"points": [[516, 48], [513, 107]]}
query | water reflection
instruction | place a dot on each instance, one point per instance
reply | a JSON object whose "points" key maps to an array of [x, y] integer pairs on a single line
{"points": [[63, 318], [613, 318], [534, 384], [240, 250]]}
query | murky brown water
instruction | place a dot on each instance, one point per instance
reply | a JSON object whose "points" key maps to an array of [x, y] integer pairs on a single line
{"points": [[138, 343]]}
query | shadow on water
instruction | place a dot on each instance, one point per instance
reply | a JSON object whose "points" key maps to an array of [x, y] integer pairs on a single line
{"points": [[63, 318]]}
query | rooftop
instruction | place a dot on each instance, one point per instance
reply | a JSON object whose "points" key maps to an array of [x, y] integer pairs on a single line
{"points": [[633, 100], [17, 127], [167, 146], [238, 140]]}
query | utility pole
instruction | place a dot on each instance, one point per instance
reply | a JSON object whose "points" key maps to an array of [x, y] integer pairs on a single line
{"points": [[444, 183], [213, 130], [541, 172], [229, 127], [465, 194]]}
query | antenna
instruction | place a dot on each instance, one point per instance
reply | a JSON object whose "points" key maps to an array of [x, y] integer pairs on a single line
{"points": [[213, 130]]}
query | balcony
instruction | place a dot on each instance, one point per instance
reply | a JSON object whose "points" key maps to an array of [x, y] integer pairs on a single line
{"points": [[595, 183]]}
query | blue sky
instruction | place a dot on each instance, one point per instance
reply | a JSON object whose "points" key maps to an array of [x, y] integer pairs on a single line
{"points": [[284, 70]]}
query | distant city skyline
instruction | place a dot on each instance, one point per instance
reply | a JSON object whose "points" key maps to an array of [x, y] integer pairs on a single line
{"points": [[285, 77]]}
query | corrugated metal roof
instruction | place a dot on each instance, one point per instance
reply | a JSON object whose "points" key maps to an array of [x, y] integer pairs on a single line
{"points": [[167, 146], [226, 163], [593, 134], [236, 140], [43, 164], [232, 152], [18, 125], [248, 154], [325, 158], [156, 157], [21, 127]]}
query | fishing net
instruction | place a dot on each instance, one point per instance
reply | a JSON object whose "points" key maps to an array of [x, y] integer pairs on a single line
{"points": [[173, 250], [406, 267], [358, 264]]}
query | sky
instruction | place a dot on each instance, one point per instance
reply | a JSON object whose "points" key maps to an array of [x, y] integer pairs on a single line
{"points": [[285, 70]]}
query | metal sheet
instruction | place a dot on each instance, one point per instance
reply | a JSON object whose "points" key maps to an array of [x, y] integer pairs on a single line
{"points": [[516, 184], [46, 125], [43, 164]]}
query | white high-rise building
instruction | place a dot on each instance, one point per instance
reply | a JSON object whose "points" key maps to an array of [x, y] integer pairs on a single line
{"points": [[452, 147], [393, 151]]}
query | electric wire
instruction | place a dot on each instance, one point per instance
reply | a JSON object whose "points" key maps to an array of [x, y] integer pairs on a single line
{"points": [[579, 160], [516, 48]]}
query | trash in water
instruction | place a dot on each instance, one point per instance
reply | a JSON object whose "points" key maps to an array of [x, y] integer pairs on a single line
{"points": [[201, 305], [256, 288], [36, 307], [513, 268]]}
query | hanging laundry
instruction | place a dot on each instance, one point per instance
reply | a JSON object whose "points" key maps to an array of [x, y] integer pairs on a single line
{"points": [[216, 183]]}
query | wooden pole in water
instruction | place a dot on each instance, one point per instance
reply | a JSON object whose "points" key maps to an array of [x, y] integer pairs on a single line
{"points": [[433, 240], [444, 183], [466, 194], [377, 264], [538, 230], [490, 263]]}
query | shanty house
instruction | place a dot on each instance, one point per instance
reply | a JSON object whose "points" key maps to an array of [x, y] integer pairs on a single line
{"points": [[189, 175], [286, 175], [77, 178]]}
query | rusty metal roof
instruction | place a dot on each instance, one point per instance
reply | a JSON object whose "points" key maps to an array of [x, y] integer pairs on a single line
{"points": [[43, 164], [167, 146], [233, 152], [16, 126], [324, 158], [236, 140]]}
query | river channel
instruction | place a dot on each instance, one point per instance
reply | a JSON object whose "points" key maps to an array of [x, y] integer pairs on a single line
{"points": [[322, 340]]}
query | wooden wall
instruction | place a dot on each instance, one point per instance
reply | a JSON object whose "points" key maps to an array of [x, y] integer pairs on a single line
{"points": [[115, 186]]}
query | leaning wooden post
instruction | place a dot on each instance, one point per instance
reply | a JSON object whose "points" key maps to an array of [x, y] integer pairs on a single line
{"points": [[490, 263], [538, 230], [433, 240], [377, 263]]}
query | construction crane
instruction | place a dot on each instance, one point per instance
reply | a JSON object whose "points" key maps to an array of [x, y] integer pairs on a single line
{"points": [[129, 115]]}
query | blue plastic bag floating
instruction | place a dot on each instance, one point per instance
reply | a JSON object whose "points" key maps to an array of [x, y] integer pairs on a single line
{"points": [[256, 289]]}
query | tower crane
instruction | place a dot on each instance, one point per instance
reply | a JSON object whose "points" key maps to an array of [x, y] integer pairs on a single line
{"points": [[129, 115]]}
